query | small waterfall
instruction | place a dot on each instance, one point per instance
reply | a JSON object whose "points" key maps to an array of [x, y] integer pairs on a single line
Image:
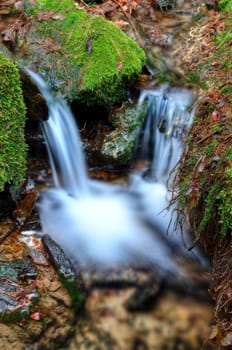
{"points": [[163, 133], [63, 143], [100, 225]]}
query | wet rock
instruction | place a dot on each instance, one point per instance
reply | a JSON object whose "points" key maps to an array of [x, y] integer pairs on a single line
{"points": [[16, 296], [117, 146], [70, 278], [18, 270], [7, 303], [116, 278], [165, 5], [37, 108], [58, 258], [7, 205]]}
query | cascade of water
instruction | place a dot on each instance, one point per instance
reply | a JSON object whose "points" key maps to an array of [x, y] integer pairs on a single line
{"points": [[159, 146], [63, 143], [98, 224], [162, 135]]}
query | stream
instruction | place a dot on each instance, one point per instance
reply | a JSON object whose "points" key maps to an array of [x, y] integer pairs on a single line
{"points": [[144, 300]]}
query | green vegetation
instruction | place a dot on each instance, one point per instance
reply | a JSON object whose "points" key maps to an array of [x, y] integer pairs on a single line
{"points": [[77, 294], [225, 198], [225, 5], [13, 149], [86, 58], [206, 170], [206, 185], [194, 79], [211, 147]]}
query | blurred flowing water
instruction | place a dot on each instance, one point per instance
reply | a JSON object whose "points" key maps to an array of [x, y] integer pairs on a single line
{"points": [[100, 225], [164, 130]]}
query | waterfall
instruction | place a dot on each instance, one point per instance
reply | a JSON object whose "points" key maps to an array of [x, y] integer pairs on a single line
{"points": [[63, 143], [163, 133], [101, 225], [162, 136]]}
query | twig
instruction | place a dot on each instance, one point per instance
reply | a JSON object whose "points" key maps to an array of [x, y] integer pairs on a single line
{"points": [[206, 137], [228, 137], [196, 240]]}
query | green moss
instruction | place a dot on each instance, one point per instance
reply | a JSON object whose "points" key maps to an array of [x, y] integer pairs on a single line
{"points": [[94, 58], [225, 198], [213, 205], [217, 128], [194, 79], [225, 5], [209, 207], [77, 294], [10, 317], [211, 147], [12, 121], [219, 200]]}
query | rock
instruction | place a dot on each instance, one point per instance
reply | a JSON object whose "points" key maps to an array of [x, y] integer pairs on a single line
{"points": [[17, 296], [83, 57], [117, 146], [16, 270], [70, 278]]}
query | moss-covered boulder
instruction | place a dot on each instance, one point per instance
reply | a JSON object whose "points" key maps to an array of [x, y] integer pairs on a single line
{"points": [[86, 58], [12, 120], [117, 146]]}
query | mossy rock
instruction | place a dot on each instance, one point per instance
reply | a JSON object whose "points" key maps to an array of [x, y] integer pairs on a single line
{"points": [[13, 149], [83, 57], [118, 145]]}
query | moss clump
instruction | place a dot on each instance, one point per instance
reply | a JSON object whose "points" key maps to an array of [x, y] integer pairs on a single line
{"points": [[85, 57], [225, 199], [206, 183], [13, 149], [76, 292], [225, 5]]}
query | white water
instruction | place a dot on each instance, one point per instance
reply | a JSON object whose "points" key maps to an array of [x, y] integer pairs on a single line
{"points": [[162, 136], [100, 225]]}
